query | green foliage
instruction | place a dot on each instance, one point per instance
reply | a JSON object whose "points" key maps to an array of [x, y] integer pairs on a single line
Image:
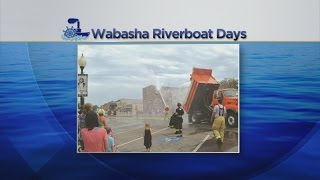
{"points": [[95, 108], [229, 83]]}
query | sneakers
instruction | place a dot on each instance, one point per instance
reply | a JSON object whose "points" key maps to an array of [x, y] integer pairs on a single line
{"points": [[219, 141]]}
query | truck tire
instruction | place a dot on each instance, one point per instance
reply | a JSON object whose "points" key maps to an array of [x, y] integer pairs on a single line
{"points": [[193, 120], [232, 119]]}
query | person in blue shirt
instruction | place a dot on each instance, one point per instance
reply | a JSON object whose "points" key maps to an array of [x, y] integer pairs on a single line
{"points": [[111, 145]]}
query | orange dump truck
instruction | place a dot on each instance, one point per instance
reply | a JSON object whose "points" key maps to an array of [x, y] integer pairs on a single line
{"points": [[203, 93], [229, 98]]}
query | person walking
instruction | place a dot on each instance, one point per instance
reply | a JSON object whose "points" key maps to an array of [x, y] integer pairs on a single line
{"points": [[178, 119], [147, 137], [219, 124], [102, 119], [94, 138]]}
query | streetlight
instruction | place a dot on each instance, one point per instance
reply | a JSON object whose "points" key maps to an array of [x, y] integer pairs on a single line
{"points": [[82, 63]]}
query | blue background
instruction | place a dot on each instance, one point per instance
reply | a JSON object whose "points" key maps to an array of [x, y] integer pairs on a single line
{"points": [[279, 128]]}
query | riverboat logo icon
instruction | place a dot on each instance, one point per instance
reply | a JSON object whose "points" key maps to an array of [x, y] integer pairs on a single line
{"points": [[74, 34]]}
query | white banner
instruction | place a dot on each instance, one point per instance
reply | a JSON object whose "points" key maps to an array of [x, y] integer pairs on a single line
{"points": [[82, 85], [249, 20]]}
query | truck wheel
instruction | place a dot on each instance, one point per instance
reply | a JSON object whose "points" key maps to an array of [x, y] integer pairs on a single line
{"points": [[232, 120], [192, 119]]}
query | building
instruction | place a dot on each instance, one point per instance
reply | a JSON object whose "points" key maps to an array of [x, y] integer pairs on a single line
{"points": [[154, 100], [129, 107], [110, 108], [123, 107]]}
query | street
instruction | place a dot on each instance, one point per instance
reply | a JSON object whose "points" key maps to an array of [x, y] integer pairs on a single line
{"points": [[128, 134]]}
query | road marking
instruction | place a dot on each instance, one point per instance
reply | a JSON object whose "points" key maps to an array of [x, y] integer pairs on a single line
{"points": [[141, 137], [199, 145], [125, 125], [127, 131]]}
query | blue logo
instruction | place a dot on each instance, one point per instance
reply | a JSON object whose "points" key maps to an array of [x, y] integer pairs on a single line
{"points": [[74, 34]]}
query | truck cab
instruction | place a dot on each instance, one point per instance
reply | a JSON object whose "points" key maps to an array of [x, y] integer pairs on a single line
{"points": [[229, 98]]}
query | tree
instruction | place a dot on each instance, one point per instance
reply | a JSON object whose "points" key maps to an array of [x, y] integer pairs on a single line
{"points": [[94, 108], [229, 83]]}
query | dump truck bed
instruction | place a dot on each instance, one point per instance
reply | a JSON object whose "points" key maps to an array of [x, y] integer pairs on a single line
{"points": [[201, 89]]}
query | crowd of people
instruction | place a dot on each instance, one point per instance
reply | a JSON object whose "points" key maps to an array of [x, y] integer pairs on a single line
{"points": [[94, 133]]}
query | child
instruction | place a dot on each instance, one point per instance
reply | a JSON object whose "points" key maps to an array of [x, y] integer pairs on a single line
{"points": [[166, 113], [147, 137], [111, 145]]}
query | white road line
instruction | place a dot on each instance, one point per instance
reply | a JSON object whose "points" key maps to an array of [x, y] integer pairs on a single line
{"points": [[127, 131], [141, 137], [204, 140]]}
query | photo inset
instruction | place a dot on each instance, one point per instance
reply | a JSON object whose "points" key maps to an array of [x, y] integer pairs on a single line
{"points": [[158, 98]]}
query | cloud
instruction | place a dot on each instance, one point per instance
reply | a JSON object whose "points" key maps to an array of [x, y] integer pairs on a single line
{"points": [[121, 71]]}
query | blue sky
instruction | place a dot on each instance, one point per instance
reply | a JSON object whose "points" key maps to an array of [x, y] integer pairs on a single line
{"points": [[121, 71]]}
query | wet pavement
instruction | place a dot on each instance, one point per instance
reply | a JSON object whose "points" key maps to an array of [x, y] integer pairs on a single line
{"points": [[230, 143], [128, 134]]}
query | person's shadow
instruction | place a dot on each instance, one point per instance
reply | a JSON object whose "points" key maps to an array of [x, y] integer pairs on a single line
{"points": [[218, 147]]}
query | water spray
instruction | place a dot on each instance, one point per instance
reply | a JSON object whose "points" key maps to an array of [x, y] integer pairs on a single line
{"points": [[165, 105]]}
